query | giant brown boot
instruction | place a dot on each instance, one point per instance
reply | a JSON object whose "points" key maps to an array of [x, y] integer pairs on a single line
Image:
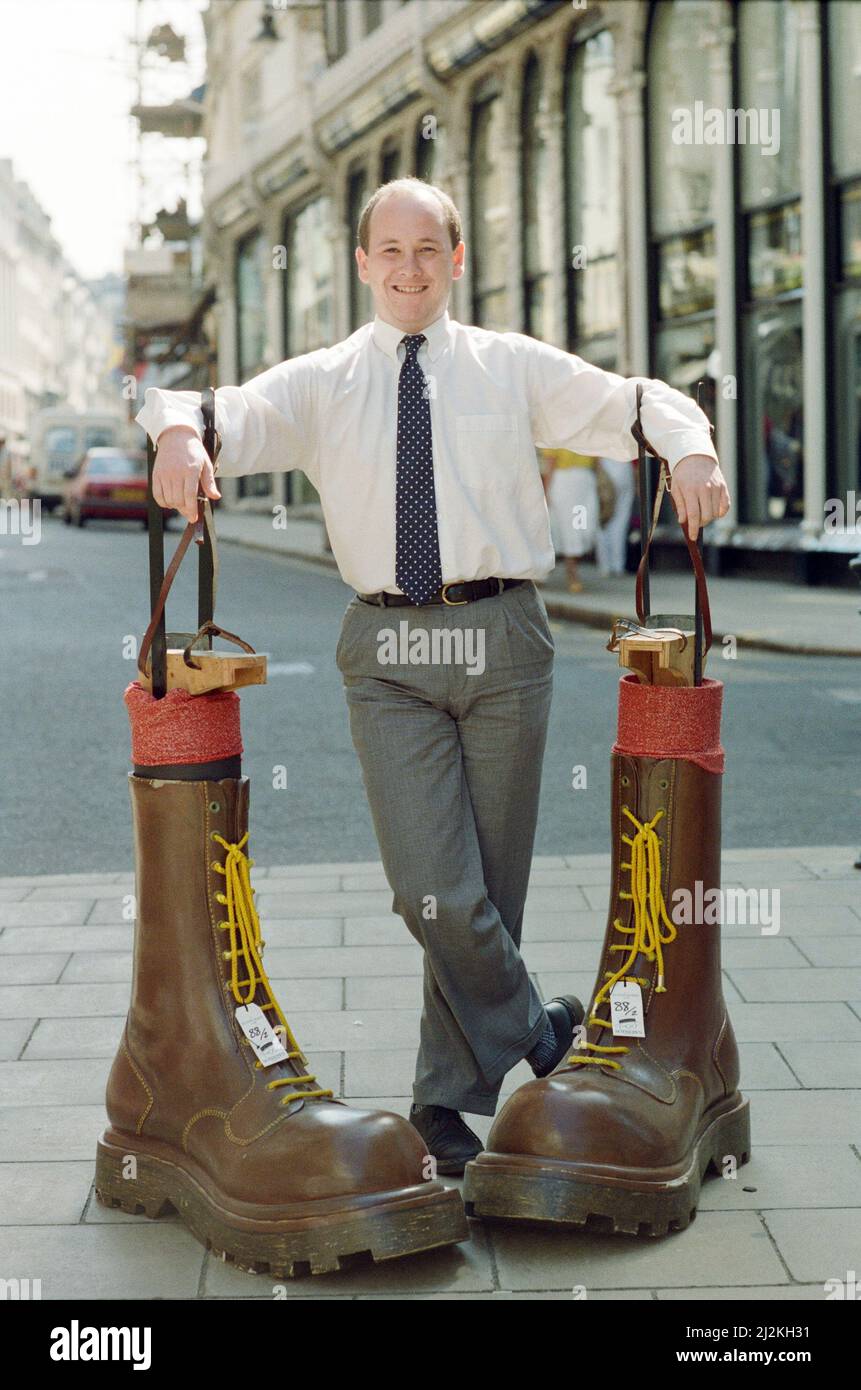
{"points": [[621, 1135], [260, 1162]]}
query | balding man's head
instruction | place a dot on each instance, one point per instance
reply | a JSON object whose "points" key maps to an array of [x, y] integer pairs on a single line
{"points": [[407, 190]]}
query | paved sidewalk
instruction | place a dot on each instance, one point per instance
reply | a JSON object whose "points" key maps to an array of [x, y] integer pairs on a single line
{"points": [[765, 614], [348, 976]]}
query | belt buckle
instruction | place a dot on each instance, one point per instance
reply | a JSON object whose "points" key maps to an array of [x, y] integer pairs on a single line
{"points": [[453, 602]]}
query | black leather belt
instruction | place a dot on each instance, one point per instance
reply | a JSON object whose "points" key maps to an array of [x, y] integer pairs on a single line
{"points": [[453, 593]]}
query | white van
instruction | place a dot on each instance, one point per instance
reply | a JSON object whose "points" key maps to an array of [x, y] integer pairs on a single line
{"points": [[58, 441]]}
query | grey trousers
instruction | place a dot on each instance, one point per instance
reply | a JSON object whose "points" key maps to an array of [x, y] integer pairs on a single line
{"points": [[451, 759]]}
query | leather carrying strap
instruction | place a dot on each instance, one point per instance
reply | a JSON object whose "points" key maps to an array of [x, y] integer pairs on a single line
{"points": [[216, 631], [194, 530], [664, 484], [202, 531]]}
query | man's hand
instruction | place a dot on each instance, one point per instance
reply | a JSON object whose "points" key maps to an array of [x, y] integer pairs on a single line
{"points": [[699, 492], [181, 463]]}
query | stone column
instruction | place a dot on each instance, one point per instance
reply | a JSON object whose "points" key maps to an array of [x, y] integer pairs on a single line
{"points": [[629, 92], [553, 194], [814, 304], [510, 159]]}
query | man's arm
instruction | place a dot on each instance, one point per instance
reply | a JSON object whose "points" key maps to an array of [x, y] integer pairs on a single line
{"points": [[265, 426], [577, 406]]}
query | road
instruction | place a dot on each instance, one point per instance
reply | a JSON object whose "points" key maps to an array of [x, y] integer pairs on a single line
{"points": [[70, 603]]}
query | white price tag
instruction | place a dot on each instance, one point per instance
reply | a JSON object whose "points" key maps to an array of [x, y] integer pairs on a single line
{"points": [[261, 1035], [626, 1010]]}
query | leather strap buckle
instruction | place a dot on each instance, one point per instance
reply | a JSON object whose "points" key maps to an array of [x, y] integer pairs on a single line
{"points": [[452, 602]]}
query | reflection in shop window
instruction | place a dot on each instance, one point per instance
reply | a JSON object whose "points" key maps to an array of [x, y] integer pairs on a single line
{"points": [[309, 279], [843, 40], [772, 476], [361, 304], [685, 357], [775, 258], [308, 293], [592, 210], [850, 232], [767, 50], [491, 215], [390, 164], [778, 394], [536, 211], [686, 274], [430, 147], [682, 192]]}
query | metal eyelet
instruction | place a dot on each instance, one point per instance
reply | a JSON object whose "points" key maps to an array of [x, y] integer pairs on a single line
{"points": [[663, 784], [213, 834], [215, 805], [227, 955], [624, 780]]}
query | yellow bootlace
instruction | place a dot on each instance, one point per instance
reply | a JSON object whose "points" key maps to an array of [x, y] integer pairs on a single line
{"points": [[245, 941], [650, 915]]}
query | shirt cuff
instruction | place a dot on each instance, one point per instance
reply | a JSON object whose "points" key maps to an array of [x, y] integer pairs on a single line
{"points": [[693, 443], [156, 419]]}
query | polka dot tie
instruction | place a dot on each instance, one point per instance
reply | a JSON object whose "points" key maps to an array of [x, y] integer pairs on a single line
{"points": [[418, 572]]}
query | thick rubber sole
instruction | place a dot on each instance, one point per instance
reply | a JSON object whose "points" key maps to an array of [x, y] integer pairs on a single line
{"points": [[521, 1187], [384, 1225]]}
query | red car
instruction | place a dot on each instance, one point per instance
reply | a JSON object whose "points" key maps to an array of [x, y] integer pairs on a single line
{"points": [[109, 482]]}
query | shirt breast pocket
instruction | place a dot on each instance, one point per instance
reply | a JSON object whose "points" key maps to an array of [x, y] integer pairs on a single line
{"points": [[488, 454]]}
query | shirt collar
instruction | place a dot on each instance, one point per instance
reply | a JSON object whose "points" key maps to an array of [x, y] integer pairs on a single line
{"points": [[387, 337]]}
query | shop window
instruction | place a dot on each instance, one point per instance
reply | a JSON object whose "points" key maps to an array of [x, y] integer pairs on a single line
{"points": [[843, 50], [681, 198], [361, 303], [771, 479], [491, 214], [536, 211], [592, 210]]}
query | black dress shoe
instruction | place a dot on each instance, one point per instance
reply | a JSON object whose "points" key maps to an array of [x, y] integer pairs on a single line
{"points": [[450, 1141], [565, 1014]]}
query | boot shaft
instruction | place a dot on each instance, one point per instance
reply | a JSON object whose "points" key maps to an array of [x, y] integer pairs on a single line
{"points": [[197, 958], [666, 845]]}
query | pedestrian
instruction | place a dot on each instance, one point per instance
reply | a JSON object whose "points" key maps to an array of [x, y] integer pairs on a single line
{"points": [[572, 498], [419, 434], [611, 543]]}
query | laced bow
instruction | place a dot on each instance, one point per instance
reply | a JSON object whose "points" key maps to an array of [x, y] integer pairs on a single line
{"points": [[650, 917], [246, 944]]}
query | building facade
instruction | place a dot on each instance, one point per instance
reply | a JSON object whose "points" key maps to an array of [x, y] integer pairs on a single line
{"points": [[670, 188], [58, 339]]}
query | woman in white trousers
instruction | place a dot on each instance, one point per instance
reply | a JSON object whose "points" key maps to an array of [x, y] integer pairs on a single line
{"points": [[612, 541], [572, 500]]}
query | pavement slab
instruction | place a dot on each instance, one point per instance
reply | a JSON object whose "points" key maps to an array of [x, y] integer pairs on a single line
{"points": [[349, 977]]}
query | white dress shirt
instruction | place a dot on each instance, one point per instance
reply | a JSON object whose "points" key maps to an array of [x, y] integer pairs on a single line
{"points": [[493, 398]]}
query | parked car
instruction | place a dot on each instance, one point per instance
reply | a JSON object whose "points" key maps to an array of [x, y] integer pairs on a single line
{"points": [[109, 483], [59, 438]]}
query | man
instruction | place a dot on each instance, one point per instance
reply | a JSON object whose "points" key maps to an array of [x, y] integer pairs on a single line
{"points": [[419, 434]]}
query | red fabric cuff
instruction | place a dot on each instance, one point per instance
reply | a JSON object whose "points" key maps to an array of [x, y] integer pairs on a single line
{"points": [[666, 721], [182, 728]]}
